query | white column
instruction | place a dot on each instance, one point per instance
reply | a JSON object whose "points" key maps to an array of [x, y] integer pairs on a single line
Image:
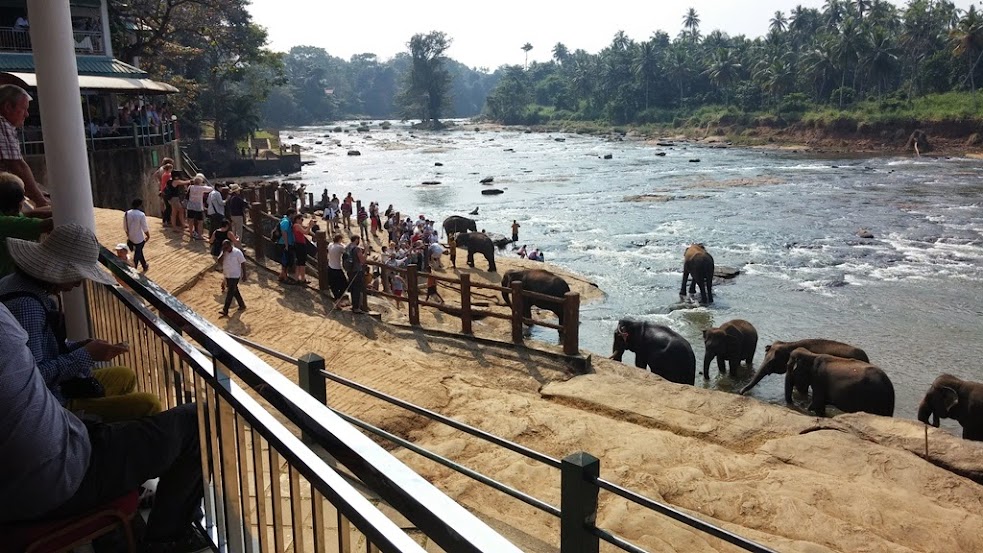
{"points": [[106, 37], [65, 155]]}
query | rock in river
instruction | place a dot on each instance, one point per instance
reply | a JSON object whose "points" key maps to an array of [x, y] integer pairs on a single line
{"points": [[492, 191]]}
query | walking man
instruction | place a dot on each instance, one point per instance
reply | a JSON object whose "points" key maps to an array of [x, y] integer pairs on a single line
{"points": [[137, 232], [235, 209], [336, 276], [234, 270], [286, 246], [356, 274]]}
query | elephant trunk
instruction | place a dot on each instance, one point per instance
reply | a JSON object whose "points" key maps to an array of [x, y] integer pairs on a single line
{"points": [[924, 411], [754, 381], [505, 296], [618, 353]]}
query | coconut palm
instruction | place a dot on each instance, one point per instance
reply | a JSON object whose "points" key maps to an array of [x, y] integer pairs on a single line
{"points": [[881, 57], [560, 53], [723, 70], [691, 22], [967, 42], [778, 22], [525, 48]]}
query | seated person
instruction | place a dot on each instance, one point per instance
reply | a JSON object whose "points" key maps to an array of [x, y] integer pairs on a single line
{"points": [[60, 263], [13, 223], [71, 467]]}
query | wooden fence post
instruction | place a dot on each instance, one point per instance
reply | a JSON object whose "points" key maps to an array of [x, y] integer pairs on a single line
{"points": [[466, 303], [517, 300], [272, 207], [281, 200], [310, 200], [321, 237], [256, 215], [413, 295], [324, 198], [571, 323], [578, 503]]}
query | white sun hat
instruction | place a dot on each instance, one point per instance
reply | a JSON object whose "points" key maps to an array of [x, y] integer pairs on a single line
{"points": [[70, 253]]}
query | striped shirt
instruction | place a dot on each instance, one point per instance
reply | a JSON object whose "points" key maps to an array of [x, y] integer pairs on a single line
{"points": [[9, 142]]}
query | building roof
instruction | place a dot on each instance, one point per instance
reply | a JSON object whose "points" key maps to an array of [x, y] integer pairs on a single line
{"points": [[98, 66]]}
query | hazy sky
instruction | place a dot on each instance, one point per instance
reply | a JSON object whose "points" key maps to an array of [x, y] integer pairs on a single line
{"points": [[490, 34]]}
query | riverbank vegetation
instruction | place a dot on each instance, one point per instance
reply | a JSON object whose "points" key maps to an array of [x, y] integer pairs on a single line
{"points": [[850, 64]]}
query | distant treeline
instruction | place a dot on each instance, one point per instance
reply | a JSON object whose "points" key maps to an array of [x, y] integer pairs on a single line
{"points": [[319, 88]]}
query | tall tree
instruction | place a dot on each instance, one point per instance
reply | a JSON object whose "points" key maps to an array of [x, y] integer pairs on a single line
{"points": [[967, 41], [778, 22], [560, 53], [691, 23], [525, 48], [425, 94]]}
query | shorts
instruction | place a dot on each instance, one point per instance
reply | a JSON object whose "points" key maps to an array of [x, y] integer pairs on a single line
{"points": [[431, 290], [286, 255], [196, 215], [299, 253]]}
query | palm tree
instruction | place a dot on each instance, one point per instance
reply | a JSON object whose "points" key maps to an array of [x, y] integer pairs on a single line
{"points": [[560, 52], [881, 58], [834, 12], [862, 7], [778, 23], [967, 40], [645, 66], [723, 70], [678, 66], [691, 22], [525, 48]]}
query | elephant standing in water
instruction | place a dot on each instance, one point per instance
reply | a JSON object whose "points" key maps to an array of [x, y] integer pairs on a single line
{"points": [[732, 342], [954, 398], [777, 354], [657, 347], [477, 242], [698, 264], [542, 282], [848, 384], [456, 223]]}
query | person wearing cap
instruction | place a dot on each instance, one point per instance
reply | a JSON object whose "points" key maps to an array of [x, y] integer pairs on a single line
{"points": [[13, 223], [235, 209], [54, 465], [66, 257]]}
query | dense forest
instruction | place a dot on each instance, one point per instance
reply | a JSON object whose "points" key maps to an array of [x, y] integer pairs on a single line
{"points": [[867, 55], [920, 61]]}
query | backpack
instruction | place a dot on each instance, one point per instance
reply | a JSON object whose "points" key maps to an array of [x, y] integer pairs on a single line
{"points": [[348, 260], [276, 234]]}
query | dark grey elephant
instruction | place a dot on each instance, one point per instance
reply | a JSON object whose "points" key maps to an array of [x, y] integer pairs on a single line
{"points": [[698, 264], [848, 384], [776, 356], [456, 223], [732, 342], [539, 281], [657, 347], [477, 242], [954, 398]]}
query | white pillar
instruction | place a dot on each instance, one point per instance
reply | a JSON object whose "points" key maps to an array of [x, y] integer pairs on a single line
{"points": [[65, 155], [106, 37]]}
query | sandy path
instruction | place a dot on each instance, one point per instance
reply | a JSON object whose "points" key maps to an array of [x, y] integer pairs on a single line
{"points": [[793, 482]]}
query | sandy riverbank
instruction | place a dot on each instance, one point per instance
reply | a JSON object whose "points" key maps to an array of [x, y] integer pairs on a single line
{"points": [[793, 482]]}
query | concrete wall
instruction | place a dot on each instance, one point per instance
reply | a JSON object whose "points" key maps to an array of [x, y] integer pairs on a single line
{"points": [[119, 176]]}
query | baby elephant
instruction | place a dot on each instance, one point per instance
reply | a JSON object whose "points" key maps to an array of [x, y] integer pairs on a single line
{"points": [[732, 341], [849, 384], [698, 264], [953, 398]]}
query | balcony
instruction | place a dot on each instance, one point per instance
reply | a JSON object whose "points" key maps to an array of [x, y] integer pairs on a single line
{"points": [[19, 40], [106, 138]]}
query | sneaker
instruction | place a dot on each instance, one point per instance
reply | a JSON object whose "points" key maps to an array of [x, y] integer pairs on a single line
{"points": [[241, 308], [223, 313]]}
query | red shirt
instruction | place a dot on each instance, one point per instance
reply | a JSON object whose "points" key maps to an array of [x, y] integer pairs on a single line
{"points": [[164, 177]]}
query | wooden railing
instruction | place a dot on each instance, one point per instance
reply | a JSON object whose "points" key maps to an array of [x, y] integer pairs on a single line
{"points": [[270, 198]]}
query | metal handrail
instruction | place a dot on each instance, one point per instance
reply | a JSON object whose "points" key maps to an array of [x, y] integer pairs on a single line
{"points": [[444, 521]]}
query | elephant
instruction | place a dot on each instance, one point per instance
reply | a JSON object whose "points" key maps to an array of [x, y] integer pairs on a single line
{"points": [[776, 356], [540, 281], [732, 341], [848, 384], [657, 347], [477, 242], [954, 398], [456, 223], [698, 264]]}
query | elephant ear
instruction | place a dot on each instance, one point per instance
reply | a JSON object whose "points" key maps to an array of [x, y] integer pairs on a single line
{"points": [[948, 399]]}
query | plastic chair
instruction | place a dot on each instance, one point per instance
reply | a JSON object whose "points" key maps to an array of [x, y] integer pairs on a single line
{"points": [[62, 535]]}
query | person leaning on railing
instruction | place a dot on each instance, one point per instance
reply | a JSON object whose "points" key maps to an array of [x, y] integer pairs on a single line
{"points": [[14, 102], [13, 222], [55, 466], [66, 257]]}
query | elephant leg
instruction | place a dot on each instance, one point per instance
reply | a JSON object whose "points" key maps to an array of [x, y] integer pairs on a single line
{"points": [[721, 365], [710, 288], [641, 361], [682, 289], [527, 309], [491, 262], [735, 365], [470, 258], [559, 318], [692, 285], [703, 291]]}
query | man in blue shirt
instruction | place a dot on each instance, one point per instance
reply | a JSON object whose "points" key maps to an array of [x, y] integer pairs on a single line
{"points": [[286, 246]]}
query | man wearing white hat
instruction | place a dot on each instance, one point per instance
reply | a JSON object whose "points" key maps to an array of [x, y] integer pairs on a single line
{"points": [[69, 255]]}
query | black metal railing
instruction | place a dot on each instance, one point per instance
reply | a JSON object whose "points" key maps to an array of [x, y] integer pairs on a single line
{"points": [[132, 136], [265, 488], [580, 481]]}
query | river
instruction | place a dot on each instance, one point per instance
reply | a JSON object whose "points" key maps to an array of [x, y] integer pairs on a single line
{"points": [[911, 296]]}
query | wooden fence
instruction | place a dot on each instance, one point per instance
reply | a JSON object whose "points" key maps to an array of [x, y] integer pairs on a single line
{"points": [[268, 199]]}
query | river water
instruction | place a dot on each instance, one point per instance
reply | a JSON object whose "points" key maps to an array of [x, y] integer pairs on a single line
{"points": [[912, 296]]}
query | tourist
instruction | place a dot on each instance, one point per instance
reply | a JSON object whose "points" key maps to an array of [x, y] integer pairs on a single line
{"points": [[522, 251], [13, 223], [285, 246], [196, 206], [346, 211], [219, 236], [432, 287], [300, 248], [216, 208], [334, 208], [161, 176], [515, 231], [14, 102], [336, 276], [363, 224], [234, 270], [66, 257], [356, 270], [434, 252], [137, 232], [452, 246], [56, 467], [235, 209], [398, 285]]}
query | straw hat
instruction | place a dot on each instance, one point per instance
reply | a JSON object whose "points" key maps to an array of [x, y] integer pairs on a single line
{"points": [[234, 187], [69, 254]]}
